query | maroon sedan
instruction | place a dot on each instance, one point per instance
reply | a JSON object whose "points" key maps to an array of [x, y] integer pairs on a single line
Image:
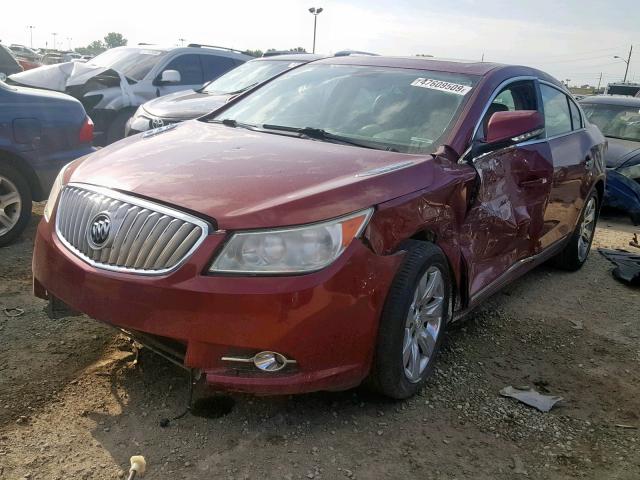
{"points": [[327, 227]]}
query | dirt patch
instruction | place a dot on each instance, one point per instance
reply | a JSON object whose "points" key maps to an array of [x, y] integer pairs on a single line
{"points": [[76, 402]]}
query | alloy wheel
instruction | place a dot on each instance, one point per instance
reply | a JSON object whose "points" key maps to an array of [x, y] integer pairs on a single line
{"points": [[423, 324], [10, 205], [587, 227]]}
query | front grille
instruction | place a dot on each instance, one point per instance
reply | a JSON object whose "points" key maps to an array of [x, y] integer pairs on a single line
{"points": [[141, 236]]}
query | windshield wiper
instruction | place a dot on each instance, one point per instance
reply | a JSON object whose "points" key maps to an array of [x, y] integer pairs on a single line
{"points": [[236, 92], [230, 122], [323, 135]]}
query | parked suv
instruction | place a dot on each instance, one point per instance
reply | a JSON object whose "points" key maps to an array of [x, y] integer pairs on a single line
{"points": [[188, 104], [329, 225], [40, 132], [114, 84], [8, 63]]}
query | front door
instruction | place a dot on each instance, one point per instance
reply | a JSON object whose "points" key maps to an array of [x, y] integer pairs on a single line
{"points": [[505, 222]]}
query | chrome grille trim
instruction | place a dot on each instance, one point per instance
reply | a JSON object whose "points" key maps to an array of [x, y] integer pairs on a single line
{"points": [[149, 238]]}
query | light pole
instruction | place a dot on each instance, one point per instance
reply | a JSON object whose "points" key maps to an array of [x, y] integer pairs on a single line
{"points": [[31, 27], [181, 40], [315, 12], [54, 40], [69, 43], [627, 61]]}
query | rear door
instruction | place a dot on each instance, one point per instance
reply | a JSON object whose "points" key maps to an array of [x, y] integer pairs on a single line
{"points": [[505, 221], [571, 149]]}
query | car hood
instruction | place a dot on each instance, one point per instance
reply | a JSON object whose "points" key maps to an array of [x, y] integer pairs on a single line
{"points": [[246, 179], [619, 151], [184, 105], [63, 76]]}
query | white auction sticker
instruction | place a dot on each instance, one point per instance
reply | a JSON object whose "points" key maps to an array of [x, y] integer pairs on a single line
{"points": [[441, 86]]}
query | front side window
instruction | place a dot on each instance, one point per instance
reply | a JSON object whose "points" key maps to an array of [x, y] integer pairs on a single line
{"points": [[615, 121], [189, 67], [519, 95], [557, 116], [248, 75], [403, 110]]}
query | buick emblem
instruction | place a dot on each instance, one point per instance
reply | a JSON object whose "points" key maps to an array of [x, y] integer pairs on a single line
{"points": [[99, 231], [157, 123]]}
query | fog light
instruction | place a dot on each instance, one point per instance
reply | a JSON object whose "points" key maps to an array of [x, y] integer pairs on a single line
{"points": [[269, 361]]}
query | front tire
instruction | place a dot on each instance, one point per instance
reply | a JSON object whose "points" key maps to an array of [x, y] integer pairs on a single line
{"points": [[413, 321], [573, 256], [15, 204]]}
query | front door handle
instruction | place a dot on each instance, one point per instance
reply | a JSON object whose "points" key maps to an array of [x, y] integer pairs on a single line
{"points": [[533, 183]]}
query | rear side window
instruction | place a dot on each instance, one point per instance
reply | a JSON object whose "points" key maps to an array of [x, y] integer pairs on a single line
{"points": [[189, 67], [214, 66], [576, 118], [557, 116]]}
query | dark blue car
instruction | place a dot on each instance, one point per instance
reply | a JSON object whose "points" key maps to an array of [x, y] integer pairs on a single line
{"points": [[618, 117], [40, 132]]}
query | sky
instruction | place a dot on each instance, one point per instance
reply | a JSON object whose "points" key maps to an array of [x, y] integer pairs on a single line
{"points": [[575, 40]]}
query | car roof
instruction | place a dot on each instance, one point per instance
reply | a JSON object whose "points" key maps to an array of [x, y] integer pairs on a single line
{"points": [[293, 57], [622, 100], [467, 67], [223, 51]]}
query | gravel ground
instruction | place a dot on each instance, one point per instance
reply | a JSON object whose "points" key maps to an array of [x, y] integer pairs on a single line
{"points": [[76, 403]]}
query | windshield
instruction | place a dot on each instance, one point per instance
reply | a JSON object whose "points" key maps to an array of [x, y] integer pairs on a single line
{"points": [[397, 109], [133, 63], [247, 75], [617, 121]]}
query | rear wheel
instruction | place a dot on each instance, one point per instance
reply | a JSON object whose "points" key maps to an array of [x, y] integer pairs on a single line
{"points": [[577, 250], [15, 204], [413, 322]]}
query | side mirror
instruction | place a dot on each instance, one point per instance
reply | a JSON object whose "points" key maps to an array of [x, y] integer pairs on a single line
{"points": [[514, 126], [170, 76]]}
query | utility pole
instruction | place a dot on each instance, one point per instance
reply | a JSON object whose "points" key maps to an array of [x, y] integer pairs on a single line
{"points": [[31, 27], [627, 61], [599, 82], [54, 40], [482, 60], [69, 42], [315, 12]]}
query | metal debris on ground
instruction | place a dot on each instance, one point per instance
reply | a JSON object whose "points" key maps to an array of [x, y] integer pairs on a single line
{"points": [[13, 312], [530, 397], [627, 265]]}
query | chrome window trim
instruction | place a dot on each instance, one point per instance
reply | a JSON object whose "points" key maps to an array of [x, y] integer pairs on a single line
{"points": [[205, 228]]}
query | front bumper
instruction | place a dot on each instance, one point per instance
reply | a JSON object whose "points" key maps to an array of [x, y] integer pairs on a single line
{"points": [[48, 165], [327, 321]]}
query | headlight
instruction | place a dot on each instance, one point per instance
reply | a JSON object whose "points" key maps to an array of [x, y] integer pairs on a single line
{"points": [[53, 195], [290, 250]]}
